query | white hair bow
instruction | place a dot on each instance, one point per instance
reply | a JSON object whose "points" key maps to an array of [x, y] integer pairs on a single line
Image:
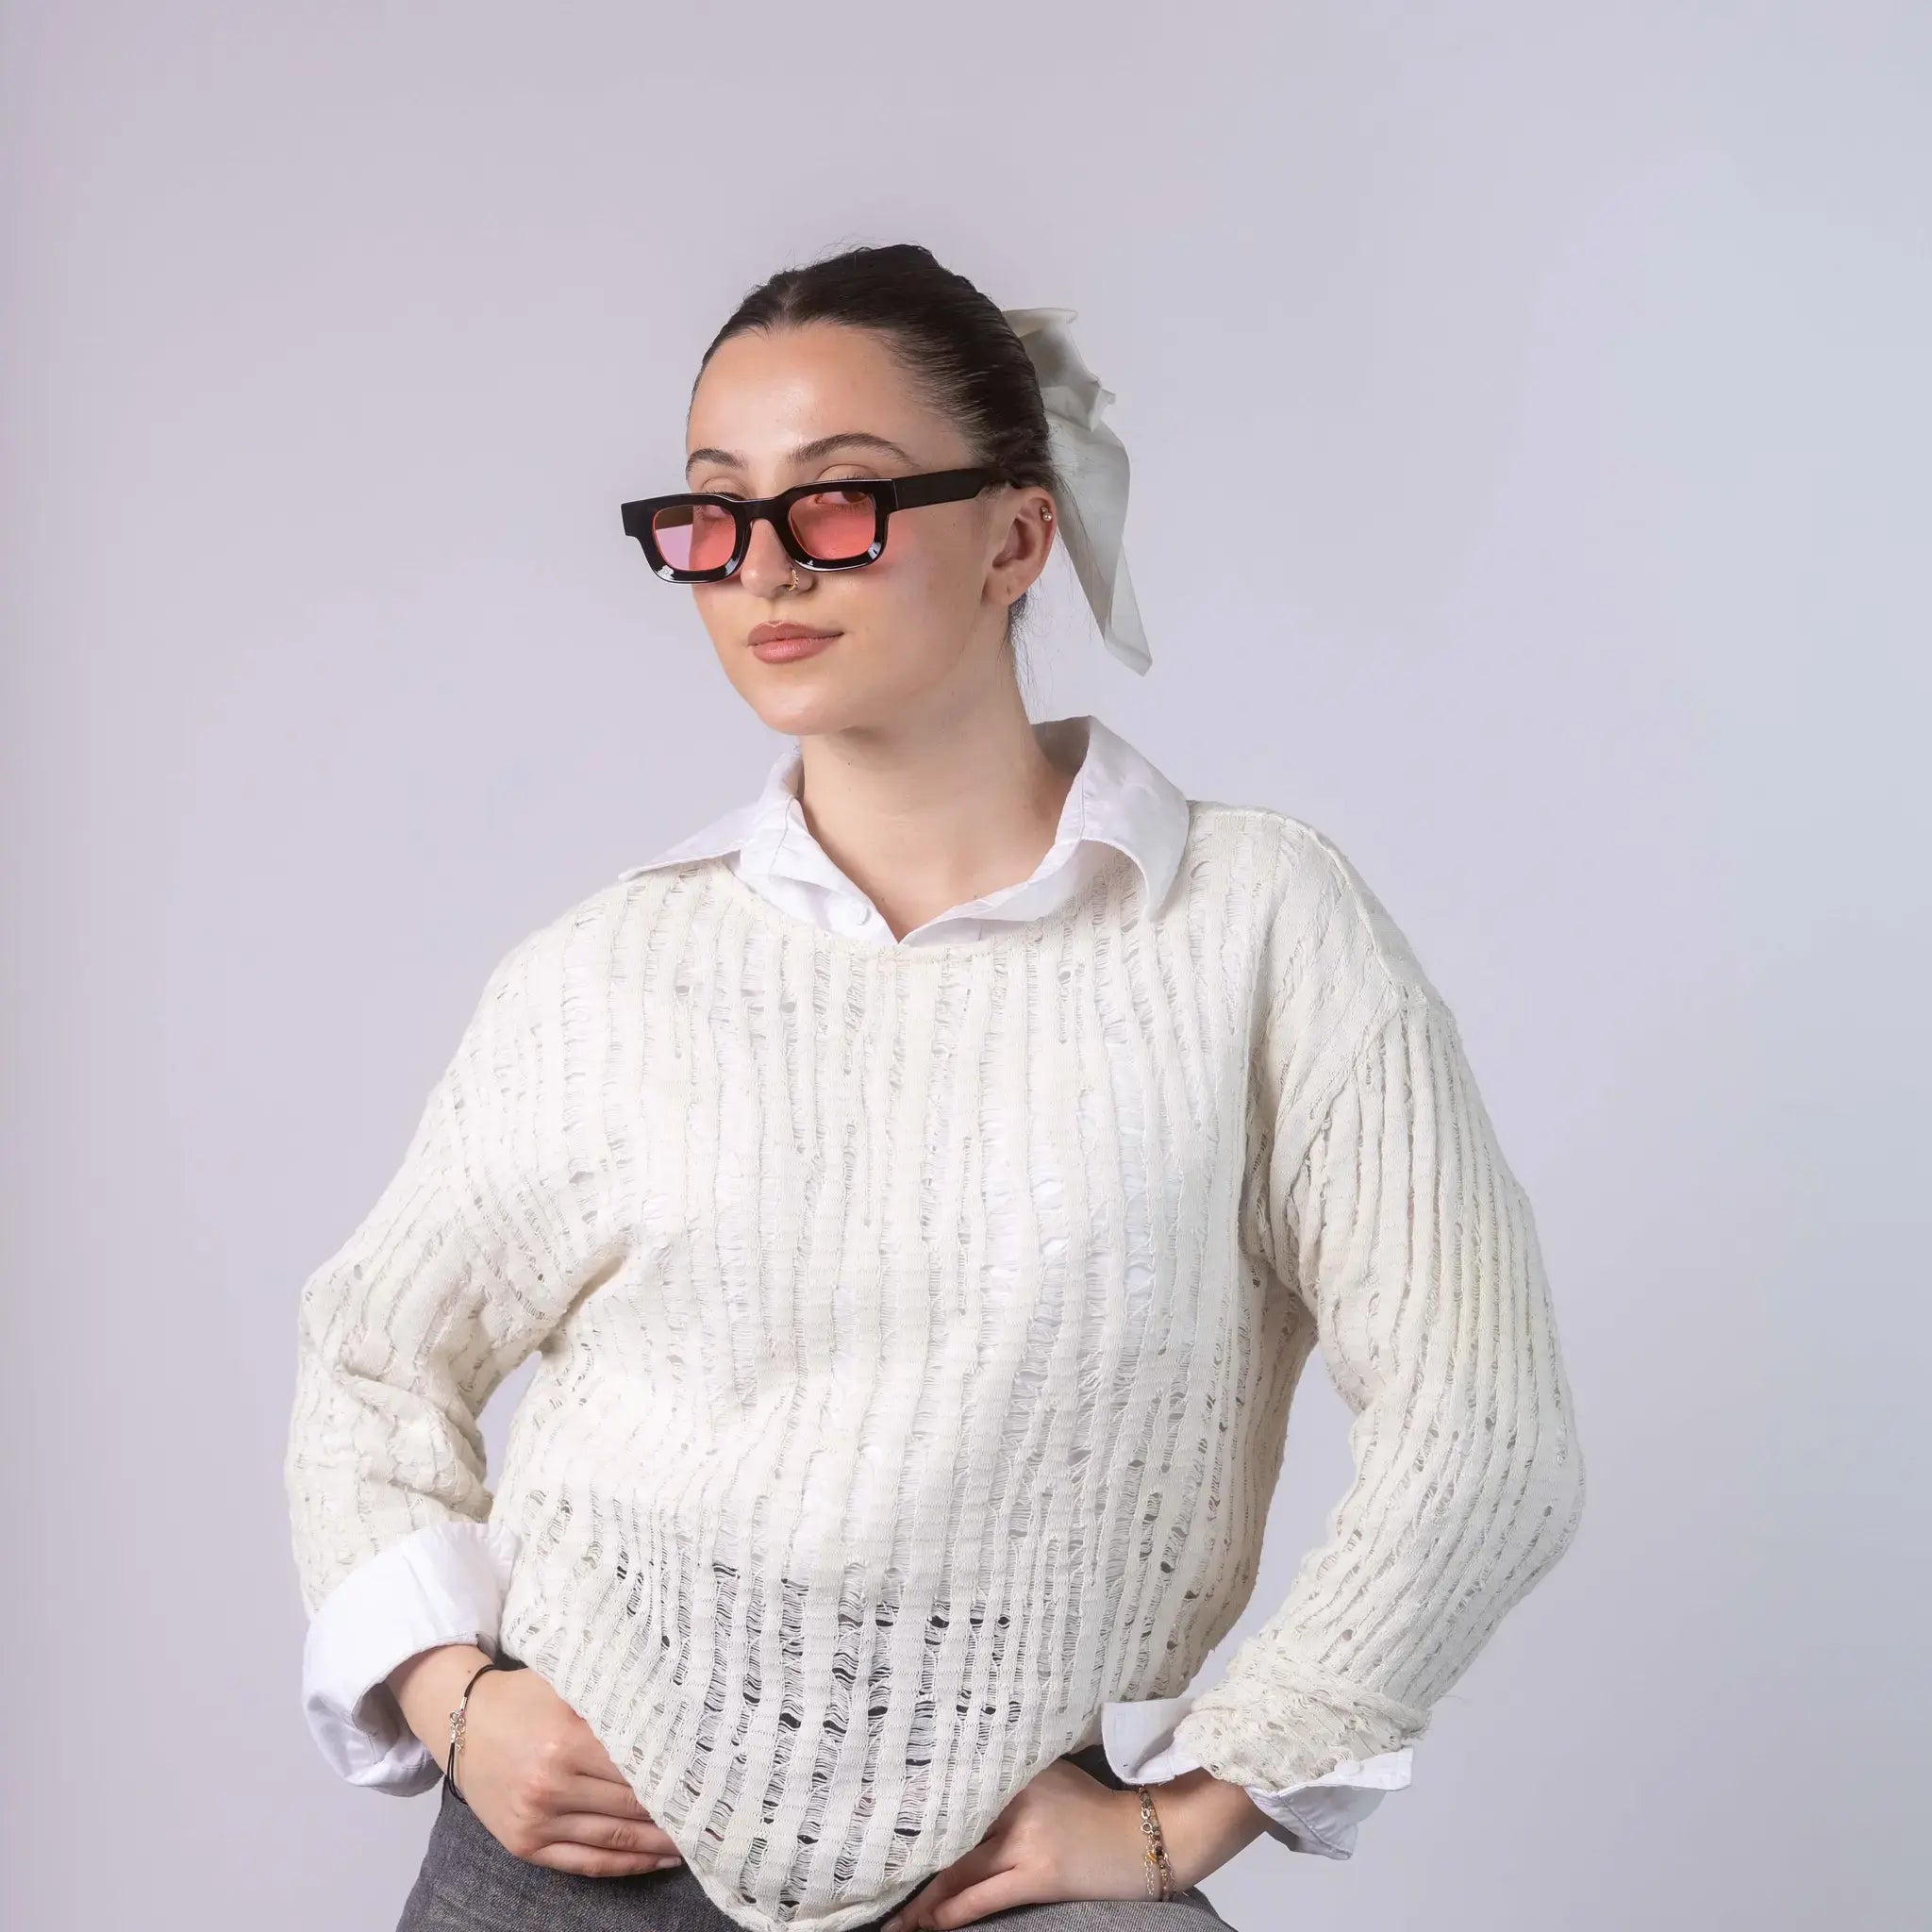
{"points": [[1092, 462]]}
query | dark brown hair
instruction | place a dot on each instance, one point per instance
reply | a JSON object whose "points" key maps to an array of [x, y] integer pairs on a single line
{"points": [[962, 354]]}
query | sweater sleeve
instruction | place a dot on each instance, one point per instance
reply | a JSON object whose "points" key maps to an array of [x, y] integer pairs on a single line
{"points": [[1393, 1216], [1320, 1815], [468, 1259]]}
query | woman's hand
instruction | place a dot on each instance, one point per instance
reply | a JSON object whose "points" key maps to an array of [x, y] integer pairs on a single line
{"points": [[1067, 1835], [1064, 1835], [531, 1769]]}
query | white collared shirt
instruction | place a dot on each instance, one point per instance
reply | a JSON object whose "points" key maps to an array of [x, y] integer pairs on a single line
{"points": [[1118, 799], [445, 1583]]}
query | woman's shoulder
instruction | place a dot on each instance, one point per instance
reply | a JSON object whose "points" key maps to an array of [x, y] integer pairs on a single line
{"points": [[1320, 914], [535, 971]]}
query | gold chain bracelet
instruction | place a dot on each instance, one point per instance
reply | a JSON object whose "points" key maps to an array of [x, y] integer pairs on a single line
{"points": [[1160, 1873]]}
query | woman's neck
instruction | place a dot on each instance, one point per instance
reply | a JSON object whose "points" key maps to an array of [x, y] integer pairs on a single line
{"points": [[924, 820]]}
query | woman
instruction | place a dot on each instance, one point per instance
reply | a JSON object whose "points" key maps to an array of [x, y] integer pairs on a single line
{"points": [[923, 1188]]}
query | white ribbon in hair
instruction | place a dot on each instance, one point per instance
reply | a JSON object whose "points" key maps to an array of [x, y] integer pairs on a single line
{"points": [[1092, 462]]}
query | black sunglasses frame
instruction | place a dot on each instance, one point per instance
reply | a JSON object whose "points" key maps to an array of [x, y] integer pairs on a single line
{"points": [[888, 494]]}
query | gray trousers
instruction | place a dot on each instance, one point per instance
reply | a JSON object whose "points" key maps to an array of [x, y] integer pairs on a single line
{"points": [[470, 1882]]}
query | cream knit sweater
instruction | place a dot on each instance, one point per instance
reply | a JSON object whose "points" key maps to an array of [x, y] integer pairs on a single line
{"points": [[917, 1333]]}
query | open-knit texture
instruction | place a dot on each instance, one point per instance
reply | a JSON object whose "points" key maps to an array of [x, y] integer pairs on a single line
{"points": [[917, 1331]]}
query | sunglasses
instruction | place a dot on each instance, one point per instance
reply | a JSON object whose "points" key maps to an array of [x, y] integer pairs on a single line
{"points": [[698, 538]]}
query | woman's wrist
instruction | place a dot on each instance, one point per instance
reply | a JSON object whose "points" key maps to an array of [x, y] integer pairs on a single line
{"points": [[1204, 1823], [428, 1686]]}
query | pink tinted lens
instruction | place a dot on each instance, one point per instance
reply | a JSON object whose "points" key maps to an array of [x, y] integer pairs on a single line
{"points": [[834, 526], [694, 536]]}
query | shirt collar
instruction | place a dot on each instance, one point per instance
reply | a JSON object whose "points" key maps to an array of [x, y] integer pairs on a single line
{"points": [[1118, 798]]}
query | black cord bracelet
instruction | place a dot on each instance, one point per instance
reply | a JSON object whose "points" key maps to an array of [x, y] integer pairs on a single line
{"points": [[457, 1718]]}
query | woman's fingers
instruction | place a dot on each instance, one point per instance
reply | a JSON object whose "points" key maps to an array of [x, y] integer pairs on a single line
{"points": [[599, 1831], [983, 1863], [592, 1862], [592, 1790], [977, 1902]]}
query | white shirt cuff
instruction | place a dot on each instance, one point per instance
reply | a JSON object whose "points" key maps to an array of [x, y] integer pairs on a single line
{"points": [[1319, 1815], [443, 1583]]}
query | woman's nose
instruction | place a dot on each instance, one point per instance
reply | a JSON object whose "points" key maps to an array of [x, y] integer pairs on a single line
{"points": [[767, 565]]}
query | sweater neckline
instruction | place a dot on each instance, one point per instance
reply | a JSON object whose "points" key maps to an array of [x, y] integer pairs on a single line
{"points": [[1009, 936]]}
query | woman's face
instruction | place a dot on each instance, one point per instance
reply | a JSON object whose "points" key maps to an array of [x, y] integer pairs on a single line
{"points": [[919, 628]]}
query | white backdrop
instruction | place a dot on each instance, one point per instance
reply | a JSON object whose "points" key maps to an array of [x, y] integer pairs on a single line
{"points": [[1530, 419]]}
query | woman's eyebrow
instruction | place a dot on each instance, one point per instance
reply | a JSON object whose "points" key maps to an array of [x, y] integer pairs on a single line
{"points": [[805, 452]]}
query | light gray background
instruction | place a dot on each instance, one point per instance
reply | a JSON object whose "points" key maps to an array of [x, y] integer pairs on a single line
{"points": [[1562, 372]]}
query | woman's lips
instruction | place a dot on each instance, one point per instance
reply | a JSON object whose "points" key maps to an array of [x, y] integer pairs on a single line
{"points": [[783, 650]]}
